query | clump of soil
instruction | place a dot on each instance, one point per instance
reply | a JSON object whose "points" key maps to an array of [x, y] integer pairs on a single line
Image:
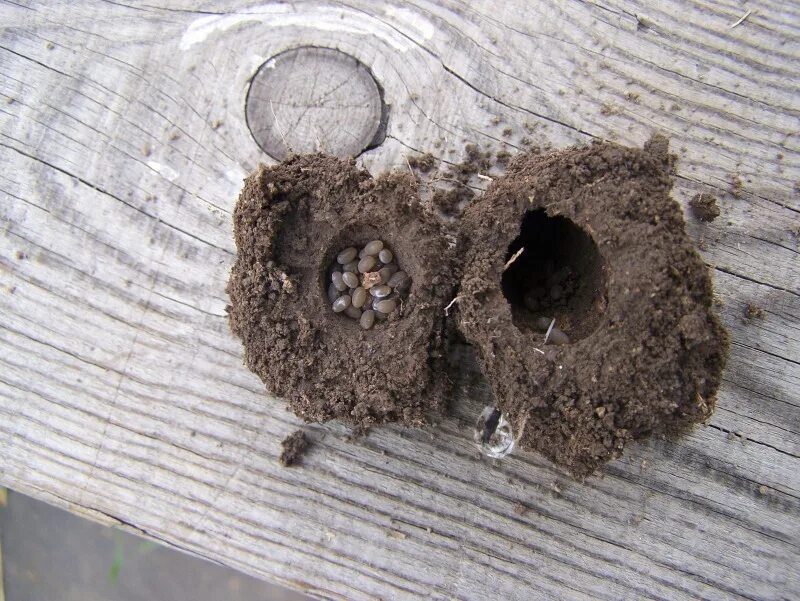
{"points": [[290, 222], [424, 163], [704, 207], [752, 312], [606, 256], [294, 447]]}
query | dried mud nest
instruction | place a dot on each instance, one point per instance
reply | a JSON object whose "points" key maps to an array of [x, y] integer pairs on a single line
{"points": [[575, 281]]}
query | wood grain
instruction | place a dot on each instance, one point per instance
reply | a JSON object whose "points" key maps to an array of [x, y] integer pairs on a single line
{"points": [[123, 395]]}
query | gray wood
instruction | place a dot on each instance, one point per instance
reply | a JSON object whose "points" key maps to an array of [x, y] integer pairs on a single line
{"points": [[123, 396]]}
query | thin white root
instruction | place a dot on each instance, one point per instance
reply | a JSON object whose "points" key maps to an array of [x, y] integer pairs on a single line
{"points": [[486, 177], [550, 329], [741, 19], [452, 302], [514, 258]]}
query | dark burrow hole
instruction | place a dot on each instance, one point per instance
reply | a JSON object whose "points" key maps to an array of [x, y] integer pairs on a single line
{"points": [[559, 275]]}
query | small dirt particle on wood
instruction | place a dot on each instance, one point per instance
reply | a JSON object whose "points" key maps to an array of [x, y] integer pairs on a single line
{"points": [[737, 186], [608, 109], [294, 446], [704, 207], [520, 509], [397, 535], [752, 312], [422, 163], [762, 490], [508, 131]]}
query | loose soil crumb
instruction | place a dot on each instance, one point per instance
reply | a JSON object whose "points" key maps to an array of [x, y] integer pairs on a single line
{"points": [[294, 446], [752, 312], [289, 223], [646, 352], [737, 186], [423, 163], [704, 207]]}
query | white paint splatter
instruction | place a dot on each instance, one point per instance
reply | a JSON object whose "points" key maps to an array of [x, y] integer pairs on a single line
{"points": [[341, 20], [164, 170]]}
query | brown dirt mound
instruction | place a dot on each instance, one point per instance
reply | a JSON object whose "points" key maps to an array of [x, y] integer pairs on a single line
{"points": [[606, 256], [290, 222]]}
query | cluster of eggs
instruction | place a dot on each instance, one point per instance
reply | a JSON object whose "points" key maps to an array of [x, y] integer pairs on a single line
{"points": [[366, 285]]}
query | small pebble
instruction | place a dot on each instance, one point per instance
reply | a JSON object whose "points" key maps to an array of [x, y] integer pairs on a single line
{"points": [[380, 291], [347, 255], [387, 272], [338, 281], [398, 280], [371, 279], [351, 311], [341, 303], [373, 248], [386, 306], [542, 323], [359, 297], [385, 256], [350, 279], [351, 266], [367, 319], [557, 337], [367, 263], [333, 293]]}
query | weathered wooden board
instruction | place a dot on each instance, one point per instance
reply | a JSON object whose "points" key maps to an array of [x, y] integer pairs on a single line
{"points": [[123, 397]]}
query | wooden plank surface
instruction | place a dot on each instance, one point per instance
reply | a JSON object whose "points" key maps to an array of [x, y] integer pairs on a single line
{"points": [[123, 396]]}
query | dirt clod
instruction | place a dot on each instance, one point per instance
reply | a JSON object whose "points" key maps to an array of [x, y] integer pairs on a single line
{"points": [[601, 261], [423, 163], [608, 258], [704, 207], [752, 312], [294, 446], [290, 222]]}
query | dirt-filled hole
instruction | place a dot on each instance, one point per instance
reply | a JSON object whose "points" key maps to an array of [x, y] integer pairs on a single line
{"points": [[558, 276]]}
